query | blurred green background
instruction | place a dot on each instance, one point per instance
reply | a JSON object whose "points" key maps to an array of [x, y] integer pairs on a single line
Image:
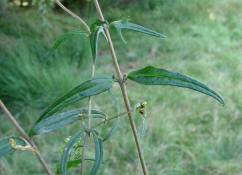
{"points": [[188, 133]]}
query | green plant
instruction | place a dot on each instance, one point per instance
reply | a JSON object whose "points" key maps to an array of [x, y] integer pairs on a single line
{"points": [[53, 119]]}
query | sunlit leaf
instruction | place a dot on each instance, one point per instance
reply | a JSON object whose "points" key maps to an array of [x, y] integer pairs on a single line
{"points": [[57, 121], [95, 32], [67, 151], [98, 154], [91, 87], [5, 145], [154, 76], [119, 25]]}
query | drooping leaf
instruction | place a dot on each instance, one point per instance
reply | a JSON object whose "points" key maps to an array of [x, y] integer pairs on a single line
{"points": [[143, 127], [97, 154], [117, 121], [5, 145], [101, 149], [154, 76], [115, 101], [67, 36], [67, 151], [119, 25], [94, 40], [90, 87], [57, 121]]}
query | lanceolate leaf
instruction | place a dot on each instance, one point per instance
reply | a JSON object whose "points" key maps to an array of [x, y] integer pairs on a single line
{"points": [[67, 36], [5, 145], [101, 149], [57, 121], [98, 154], [91, 87], [154, 76], [119, 25], [67, 151], [143, 127], [117, 121], [94, 41]]}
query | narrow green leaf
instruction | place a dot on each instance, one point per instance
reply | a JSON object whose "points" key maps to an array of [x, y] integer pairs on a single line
{"points": [[154, 76], [72, 163], [117, 121], [76, 162], [67, 36], [97, 154], [113, 129], [143, 127], [101, 149], [5, 145], [94, 40], [57, 121], [115, 101], [119, 25], [67, 151], [91, 87]]}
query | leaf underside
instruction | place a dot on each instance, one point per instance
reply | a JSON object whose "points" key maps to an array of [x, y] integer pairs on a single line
{"points": [[57, 121], [119, 25], [154, 76], [94, 41], [98, 153], [67, 151], [90, 87]]}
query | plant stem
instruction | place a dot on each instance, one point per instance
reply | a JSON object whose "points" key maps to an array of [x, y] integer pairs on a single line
{"points": [[89, 126], [74, 15], [123, 89], [92, 75], [104, 121], [26, 137]]}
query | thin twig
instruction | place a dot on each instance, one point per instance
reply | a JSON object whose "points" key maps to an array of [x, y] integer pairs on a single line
{"points": [[74, 15], [26, 137], [104, 121], [123, 89]]}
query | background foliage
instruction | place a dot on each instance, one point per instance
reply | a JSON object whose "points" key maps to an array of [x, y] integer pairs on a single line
{"points": [[186, 134]]}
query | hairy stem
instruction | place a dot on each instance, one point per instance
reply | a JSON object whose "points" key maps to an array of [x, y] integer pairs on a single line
{"points": [[123, 89], [26, 137]]}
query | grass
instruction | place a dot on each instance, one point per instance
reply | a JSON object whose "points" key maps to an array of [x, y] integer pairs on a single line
{"points": [[188, 133]]}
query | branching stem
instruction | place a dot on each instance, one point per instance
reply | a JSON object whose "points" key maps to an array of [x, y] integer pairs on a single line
{"points": [[123, 89], [74, 15], [26, 137], [109, 119]]}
